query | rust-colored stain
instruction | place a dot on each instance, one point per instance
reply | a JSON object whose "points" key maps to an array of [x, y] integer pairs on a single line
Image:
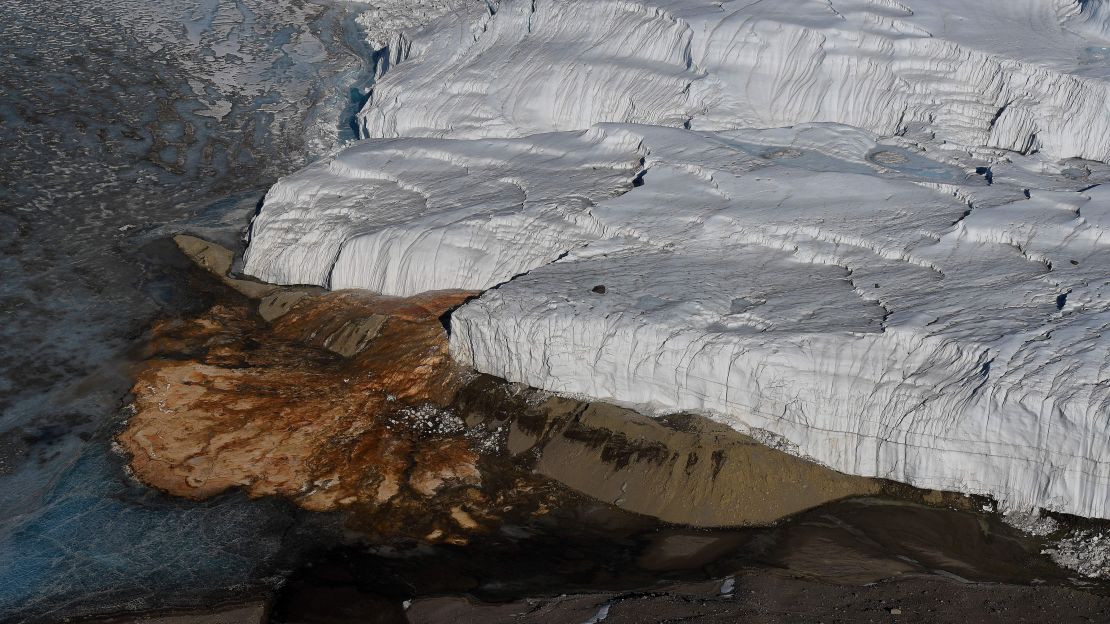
{"points": [[227, 400], [350, 401]]}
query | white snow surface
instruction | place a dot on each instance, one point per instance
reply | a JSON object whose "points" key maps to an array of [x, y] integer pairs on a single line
{"points": [[873, 230]]}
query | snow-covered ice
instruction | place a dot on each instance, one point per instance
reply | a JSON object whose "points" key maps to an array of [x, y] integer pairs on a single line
{"points": [[862, 227]]}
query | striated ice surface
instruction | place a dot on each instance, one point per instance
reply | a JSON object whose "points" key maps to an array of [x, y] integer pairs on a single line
{"points": [[410, 215], [1013, 74], [862, 317], [873, 230]]}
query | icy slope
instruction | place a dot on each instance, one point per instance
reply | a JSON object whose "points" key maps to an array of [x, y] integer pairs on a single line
{"points": [[810, 229], [1014, 74]]}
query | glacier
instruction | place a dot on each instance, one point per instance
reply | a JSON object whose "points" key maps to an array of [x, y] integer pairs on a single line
{"points": [[1009, 74], [869, 232]]}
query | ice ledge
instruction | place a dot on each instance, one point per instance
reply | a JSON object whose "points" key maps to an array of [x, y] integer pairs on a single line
{"points": [[926, 307]]}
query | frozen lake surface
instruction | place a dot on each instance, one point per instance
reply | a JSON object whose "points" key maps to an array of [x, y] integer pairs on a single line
{"points": [[117, 120]]}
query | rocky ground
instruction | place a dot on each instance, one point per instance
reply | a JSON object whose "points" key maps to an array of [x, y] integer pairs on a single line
{"points": [[753, 596], [773, 598]]}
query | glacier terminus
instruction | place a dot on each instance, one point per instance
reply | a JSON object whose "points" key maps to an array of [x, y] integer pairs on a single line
{"points": [[869, 232]]}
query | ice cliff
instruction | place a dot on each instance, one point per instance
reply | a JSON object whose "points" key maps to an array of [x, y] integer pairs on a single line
{"points": [[869, 231], [857, 316], [409, 215]]}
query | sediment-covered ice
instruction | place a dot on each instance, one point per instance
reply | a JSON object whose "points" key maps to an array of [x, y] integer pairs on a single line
{"points": [[871, 231]]}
